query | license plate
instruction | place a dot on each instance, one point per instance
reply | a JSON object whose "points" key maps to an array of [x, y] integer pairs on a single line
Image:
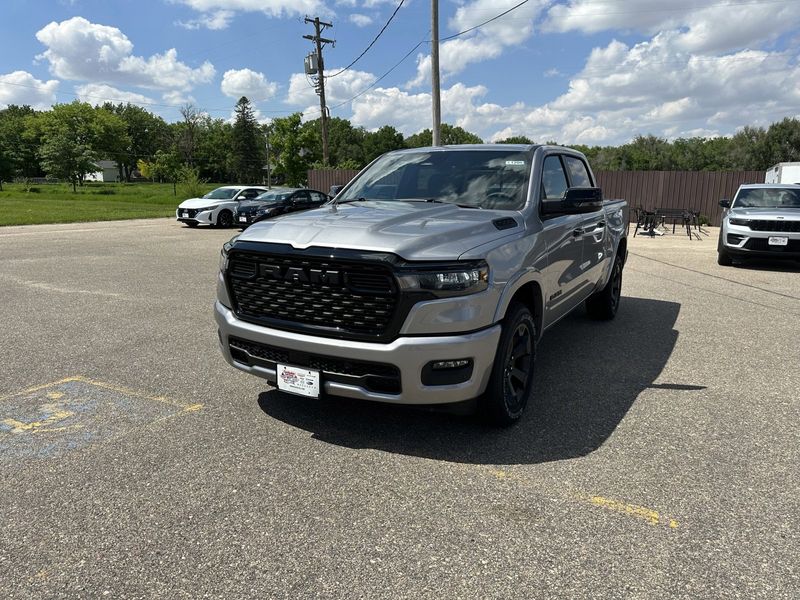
{"points": [[185, 215], [295, 380], [778, 241], [243, 219]]}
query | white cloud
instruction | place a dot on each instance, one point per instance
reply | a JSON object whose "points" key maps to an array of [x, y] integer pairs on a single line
{"points": [[80, 50], [360, 20], [272, 8], [177, 98], [20, 87], [97, 93], [244, 82], [337, 89], [488, 42], [219, 19], [720, 26]]}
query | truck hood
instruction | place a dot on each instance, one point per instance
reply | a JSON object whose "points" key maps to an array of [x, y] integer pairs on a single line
{"points": [[411, 230], [791, 214], [201, 203]]}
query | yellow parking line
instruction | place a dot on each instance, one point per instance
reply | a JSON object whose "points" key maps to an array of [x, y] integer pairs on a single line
{"points": [[633, 510]]}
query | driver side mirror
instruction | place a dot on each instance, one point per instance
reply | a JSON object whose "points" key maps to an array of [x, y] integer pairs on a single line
{"points": [[725, 203], [575, 201]]}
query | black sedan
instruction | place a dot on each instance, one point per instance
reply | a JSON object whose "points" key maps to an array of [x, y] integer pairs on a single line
{"points": [[278, 202]]}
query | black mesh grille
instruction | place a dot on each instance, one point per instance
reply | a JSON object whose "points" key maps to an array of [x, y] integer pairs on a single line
{"points": [[311, 291], [189, 212], [786, 226], [762, 244], [378, 377]]}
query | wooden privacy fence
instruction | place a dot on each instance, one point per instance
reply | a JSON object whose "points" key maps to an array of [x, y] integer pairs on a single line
{"points": [[699, 191]]}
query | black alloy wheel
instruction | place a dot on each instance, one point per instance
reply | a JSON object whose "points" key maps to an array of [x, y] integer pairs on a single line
{"points": [[511, 385], [225, 219], [518, 368]]}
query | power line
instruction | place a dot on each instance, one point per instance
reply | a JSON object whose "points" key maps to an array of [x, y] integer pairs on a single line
{"points": [[374, 83], [372, 43], [502, 14]]}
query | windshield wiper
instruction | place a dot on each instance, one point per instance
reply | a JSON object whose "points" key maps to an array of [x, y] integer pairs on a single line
{"points": [[437, 201]]}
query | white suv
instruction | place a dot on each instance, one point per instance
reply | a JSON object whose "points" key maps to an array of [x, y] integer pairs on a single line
{"points": [[216, 207]]}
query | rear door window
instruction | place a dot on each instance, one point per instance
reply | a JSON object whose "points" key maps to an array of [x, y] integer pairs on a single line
{"points": [[578, 173]]}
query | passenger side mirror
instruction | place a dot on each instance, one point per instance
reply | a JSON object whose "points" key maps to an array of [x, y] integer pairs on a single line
{"points": [[575, 201], [725, 203]]}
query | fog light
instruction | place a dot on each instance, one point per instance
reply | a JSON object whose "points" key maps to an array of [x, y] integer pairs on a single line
{"points": [[447, 372], [450, 364]]}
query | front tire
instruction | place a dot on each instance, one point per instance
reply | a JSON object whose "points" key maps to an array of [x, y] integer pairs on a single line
{"points": [[723, 258], [603, 305], [225, 219], [510, 387]]}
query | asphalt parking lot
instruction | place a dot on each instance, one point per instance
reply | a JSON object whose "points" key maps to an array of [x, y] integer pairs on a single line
{"points": [[661, 458]]}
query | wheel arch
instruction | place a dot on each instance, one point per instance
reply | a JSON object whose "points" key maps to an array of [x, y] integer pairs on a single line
{"points": [[528, 291]]}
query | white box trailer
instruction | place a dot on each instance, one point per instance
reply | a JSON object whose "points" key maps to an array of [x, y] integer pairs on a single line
{"points": [[785, 172]]}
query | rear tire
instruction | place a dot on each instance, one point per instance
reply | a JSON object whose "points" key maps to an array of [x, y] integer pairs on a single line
{"points": [[225, 219], [510, 387], [603, 305]]}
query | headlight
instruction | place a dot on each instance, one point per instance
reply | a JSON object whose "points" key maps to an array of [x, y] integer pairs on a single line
{"points": [[223, 255], [457, 279], [742, 222], [264, 211], [199, 210]]}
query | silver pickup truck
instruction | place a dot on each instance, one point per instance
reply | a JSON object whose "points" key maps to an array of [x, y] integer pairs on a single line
{"points": [[428, 280]]}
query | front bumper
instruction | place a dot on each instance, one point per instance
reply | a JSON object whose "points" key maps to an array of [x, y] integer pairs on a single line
{"points": [[408, 354], [202, 217], [743, 242]]}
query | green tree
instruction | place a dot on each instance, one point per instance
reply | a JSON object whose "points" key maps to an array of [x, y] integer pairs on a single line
{"points": [[451, 135], [782, 142], [385, 139], [166, 166], [19, 143], [515, 139], [290, 144], [65, 158], [146, 133], [213, 151], [70, 135], [247, 144]]}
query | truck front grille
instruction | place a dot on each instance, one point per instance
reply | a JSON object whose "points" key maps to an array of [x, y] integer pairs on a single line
{"points": [[375, 377], [336, 298], [780, 226]]}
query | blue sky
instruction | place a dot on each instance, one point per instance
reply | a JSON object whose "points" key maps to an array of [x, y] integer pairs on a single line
{"points": [[587, 71]]}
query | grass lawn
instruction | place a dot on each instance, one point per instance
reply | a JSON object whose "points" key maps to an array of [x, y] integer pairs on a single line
{"points": [[56, 203]]}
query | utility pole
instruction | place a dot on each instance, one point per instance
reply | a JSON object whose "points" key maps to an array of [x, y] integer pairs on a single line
{"points": [[269, 169], [319, 27], [437, 104]]}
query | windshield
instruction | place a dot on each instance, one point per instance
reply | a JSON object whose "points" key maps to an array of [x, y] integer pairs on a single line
{"points": [[477, 178], [767, 198], [221, 194], [273, 196]]}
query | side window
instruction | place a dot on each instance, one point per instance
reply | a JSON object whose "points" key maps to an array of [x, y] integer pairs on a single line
{"points": [[554, 181], [318, 197], [578, 174], [249, 194]]}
